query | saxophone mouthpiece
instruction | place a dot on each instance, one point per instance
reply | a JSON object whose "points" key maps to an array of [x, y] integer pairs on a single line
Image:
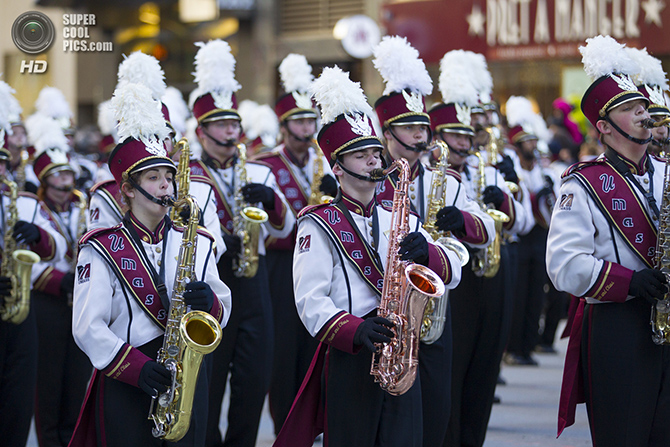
{"points": [[378, 174], [649, 123], [167, 201]]}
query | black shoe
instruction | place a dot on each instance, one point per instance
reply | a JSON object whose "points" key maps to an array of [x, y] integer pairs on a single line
{"points": [[496, 399], [529, 361], [501, 381], [545, 349]]}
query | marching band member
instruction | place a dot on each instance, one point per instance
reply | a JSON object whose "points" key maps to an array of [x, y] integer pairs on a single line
{"points": [[601, 248], [17, 143], [246, 350], [338, 276], [407, 132], [295, 166], [478, 303], [542, 185], [122, 287], [18, 342], [62, 369]]}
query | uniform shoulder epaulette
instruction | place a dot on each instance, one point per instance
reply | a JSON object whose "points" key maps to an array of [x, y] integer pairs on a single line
{"points": [[581, 165], [260, 162], [311, 208], [98, 232], [28, 195], [264, 155], [102, 184], [455, 174], [659, 158]]}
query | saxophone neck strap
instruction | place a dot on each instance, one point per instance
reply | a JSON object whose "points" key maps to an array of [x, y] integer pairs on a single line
{"points": [[615, 160], [158, 277]]}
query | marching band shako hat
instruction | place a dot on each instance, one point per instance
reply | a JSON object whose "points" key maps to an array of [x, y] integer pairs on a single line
{"points": [[407, 82], [50, 147], [141, 132], [609, 66], [296, 77], [214, 98], [459, 94], [650, 80], [345, 113], [520, 116]]}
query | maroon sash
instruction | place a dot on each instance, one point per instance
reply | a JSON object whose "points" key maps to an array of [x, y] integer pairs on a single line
{"points": [[118, 249], [201, 173], [349, 243], [622, 207]]}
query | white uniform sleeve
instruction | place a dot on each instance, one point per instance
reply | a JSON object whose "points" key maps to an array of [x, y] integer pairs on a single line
{"points": [[101, 214]]}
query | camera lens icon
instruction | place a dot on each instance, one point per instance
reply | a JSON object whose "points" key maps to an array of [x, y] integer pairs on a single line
{"points": [[33, 32]]}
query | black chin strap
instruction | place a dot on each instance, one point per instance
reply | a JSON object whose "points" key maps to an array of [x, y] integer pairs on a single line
{"points": [[631, 138], [165, 201], [420, 147], [358, 176], [228, 143]]}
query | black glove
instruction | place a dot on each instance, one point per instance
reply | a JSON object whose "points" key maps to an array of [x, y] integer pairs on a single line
{"points": [[199, 296], [67, 284], [506, 168], [26, 232], [233, 245], [328, 186], [493, 194], [373, 330], [414, 247], [450, 218], [5, 286], [649, 284], [255, 193], [154, 378]]}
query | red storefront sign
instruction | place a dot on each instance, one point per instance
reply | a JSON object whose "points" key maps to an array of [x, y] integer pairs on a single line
{"points": [[526, 29]]}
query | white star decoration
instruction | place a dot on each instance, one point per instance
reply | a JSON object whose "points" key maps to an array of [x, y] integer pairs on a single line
{"points": [[652, 10], [476, 21]]}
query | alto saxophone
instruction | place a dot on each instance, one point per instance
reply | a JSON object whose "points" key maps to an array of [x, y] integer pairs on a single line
{"points": [[487, 261], [316, 197], [182, 179], [246, 223], [660, 312], [492, 147], [405, 293], [434, 317], [189, 336], [16, 265]]}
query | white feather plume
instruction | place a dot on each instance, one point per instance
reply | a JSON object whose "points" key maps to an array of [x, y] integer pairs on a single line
{"points": [[455, 82], [295, 73], [6, 95], [519, 111], [336, 94], [138, 114], [603, 55], [650, 69], [215, 68], [478, 71], [400, 66], [106, 119], [15, 109], [192, 137], [140, 68], [45, 133], [267, 125], [51, 102], [179, 111], [538, 126], [247, 111]]}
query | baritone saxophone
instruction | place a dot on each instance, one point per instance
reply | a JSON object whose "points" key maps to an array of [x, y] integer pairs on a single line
{"points": [[405, 293], [246, 223], [189, 336], [434, 317], [17, 265]]}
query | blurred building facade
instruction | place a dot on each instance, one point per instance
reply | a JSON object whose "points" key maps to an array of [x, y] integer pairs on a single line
{"points": [[531, 45]]}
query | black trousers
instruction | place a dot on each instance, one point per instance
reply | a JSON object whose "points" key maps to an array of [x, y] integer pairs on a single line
{"points": [[626, 376], [477, 306], [435, 365], [125, 409], [63, 371], [359, 413], [245, 353], [555, 309], [530, 292], [294, 347], [509, 259], [18, 374]]}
